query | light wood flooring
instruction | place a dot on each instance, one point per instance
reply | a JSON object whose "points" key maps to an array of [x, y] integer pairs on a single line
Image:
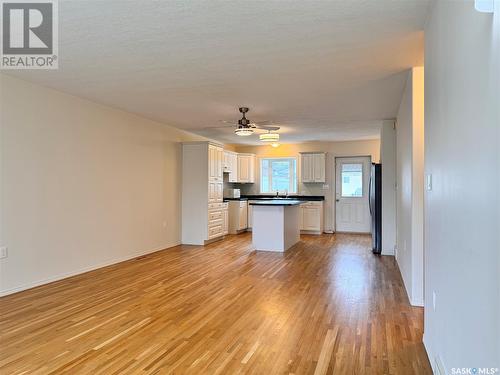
{"points": [[327, 306]]}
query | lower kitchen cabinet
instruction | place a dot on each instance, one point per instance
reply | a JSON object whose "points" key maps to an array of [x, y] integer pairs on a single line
{"points": [[225, 211], [216, 220], [238, 211], [311, 217]]}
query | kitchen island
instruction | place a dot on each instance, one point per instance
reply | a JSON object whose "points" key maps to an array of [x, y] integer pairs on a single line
{"points": [[276, 224]]}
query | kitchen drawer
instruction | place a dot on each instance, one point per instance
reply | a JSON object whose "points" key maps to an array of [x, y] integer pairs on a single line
{"points": [[216, 205], [215, 231], [215, 215], [313, 203], [214, 223]]}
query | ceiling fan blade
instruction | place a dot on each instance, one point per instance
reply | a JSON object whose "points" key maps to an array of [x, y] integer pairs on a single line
{"points": [[265, 122], [221, 127], [268, 128]]}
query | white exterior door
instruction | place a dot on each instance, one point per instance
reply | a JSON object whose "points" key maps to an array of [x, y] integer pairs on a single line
{"points": [[352, 211]]}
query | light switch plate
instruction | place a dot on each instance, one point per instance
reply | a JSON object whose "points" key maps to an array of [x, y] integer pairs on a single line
{"points": [[326, 186], [3, 252], [429, 182]]}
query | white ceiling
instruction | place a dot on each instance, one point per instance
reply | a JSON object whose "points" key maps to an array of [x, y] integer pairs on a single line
{"points": [[325, 70]]}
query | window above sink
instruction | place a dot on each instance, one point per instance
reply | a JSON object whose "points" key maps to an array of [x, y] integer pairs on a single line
{"points": [[278, 174]]}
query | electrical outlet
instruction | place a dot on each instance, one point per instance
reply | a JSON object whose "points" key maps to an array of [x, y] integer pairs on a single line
{"points": [[326, 186], [434, 301], [3, 252]]}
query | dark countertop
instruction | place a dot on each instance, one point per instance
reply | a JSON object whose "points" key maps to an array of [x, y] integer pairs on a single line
{"points": [[292, 197], [277, 202], [235, 199]]}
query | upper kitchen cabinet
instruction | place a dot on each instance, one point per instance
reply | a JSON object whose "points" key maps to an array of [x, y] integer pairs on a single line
{"points": [[246, 168], [230, 165], [313, 165], [215, 161]]}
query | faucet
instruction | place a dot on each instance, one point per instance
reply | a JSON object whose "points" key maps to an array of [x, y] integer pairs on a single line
{"points": [[277, 193]]}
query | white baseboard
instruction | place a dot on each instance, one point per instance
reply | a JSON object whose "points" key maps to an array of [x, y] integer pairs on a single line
{"points": [[413, 301], [437, 364], [417, 302], [428, 351], [83, 270]]}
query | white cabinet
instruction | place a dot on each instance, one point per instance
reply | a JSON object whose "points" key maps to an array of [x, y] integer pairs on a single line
{"points": [[238, 216], [216, 224], [246, 168], [249, 215], [230, 165], [319, 167], [311, 217], [225, 212], [313, 165], [215, 163], [226, 163], [233, 162], [215, 191], [243, 220], [306, 167], [202, 191]]}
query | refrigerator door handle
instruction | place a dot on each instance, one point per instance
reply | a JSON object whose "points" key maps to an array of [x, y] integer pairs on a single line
{"points": [[370, 195]]}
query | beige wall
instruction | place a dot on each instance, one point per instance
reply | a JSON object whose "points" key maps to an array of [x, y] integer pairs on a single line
{"points": [[462, 211], [82, 185], [410, 176], [334, 149], [388, 160]]}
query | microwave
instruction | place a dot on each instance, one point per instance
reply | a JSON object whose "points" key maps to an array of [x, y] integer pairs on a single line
{"points": [[231, 193]]}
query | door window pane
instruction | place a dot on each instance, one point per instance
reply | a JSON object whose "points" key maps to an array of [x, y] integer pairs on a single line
{"points": [[352, 180]]}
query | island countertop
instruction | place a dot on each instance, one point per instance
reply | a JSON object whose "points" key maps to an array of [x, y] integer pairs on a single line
{"points": [[276, 202], [290, 197]]}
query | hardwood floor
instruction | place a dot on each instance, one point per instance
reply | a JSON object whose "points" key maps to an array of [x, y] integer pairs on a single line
{"points": [[326, 306]]}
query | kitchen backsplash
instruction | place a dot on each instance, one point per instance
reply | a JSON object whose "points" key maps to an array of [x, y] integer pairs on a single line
{"points": [[304, 189]]}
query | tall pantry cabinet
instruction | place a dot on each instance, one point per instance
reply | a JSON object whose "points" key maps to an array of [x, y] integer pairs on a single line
{"points": [[202, 186]]}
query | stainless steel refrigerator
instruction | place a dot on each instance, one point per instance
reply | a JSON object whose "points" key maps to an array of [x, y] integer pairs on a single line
{"points": [[375, 193]]}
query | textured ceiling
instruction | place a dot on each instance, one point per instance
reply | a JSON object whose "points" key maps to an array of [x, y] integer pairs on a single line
{"points": [[325, 70]]}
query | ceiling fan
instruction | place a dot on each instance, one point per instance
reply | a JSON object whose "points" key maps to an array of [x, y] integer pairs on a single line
{"points": [[245, 128]]}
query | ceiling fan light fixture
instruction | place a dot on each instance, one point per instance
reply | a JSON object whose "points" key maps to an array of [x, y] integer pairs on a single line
{"points": [[243, 132], [269, 137]]}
